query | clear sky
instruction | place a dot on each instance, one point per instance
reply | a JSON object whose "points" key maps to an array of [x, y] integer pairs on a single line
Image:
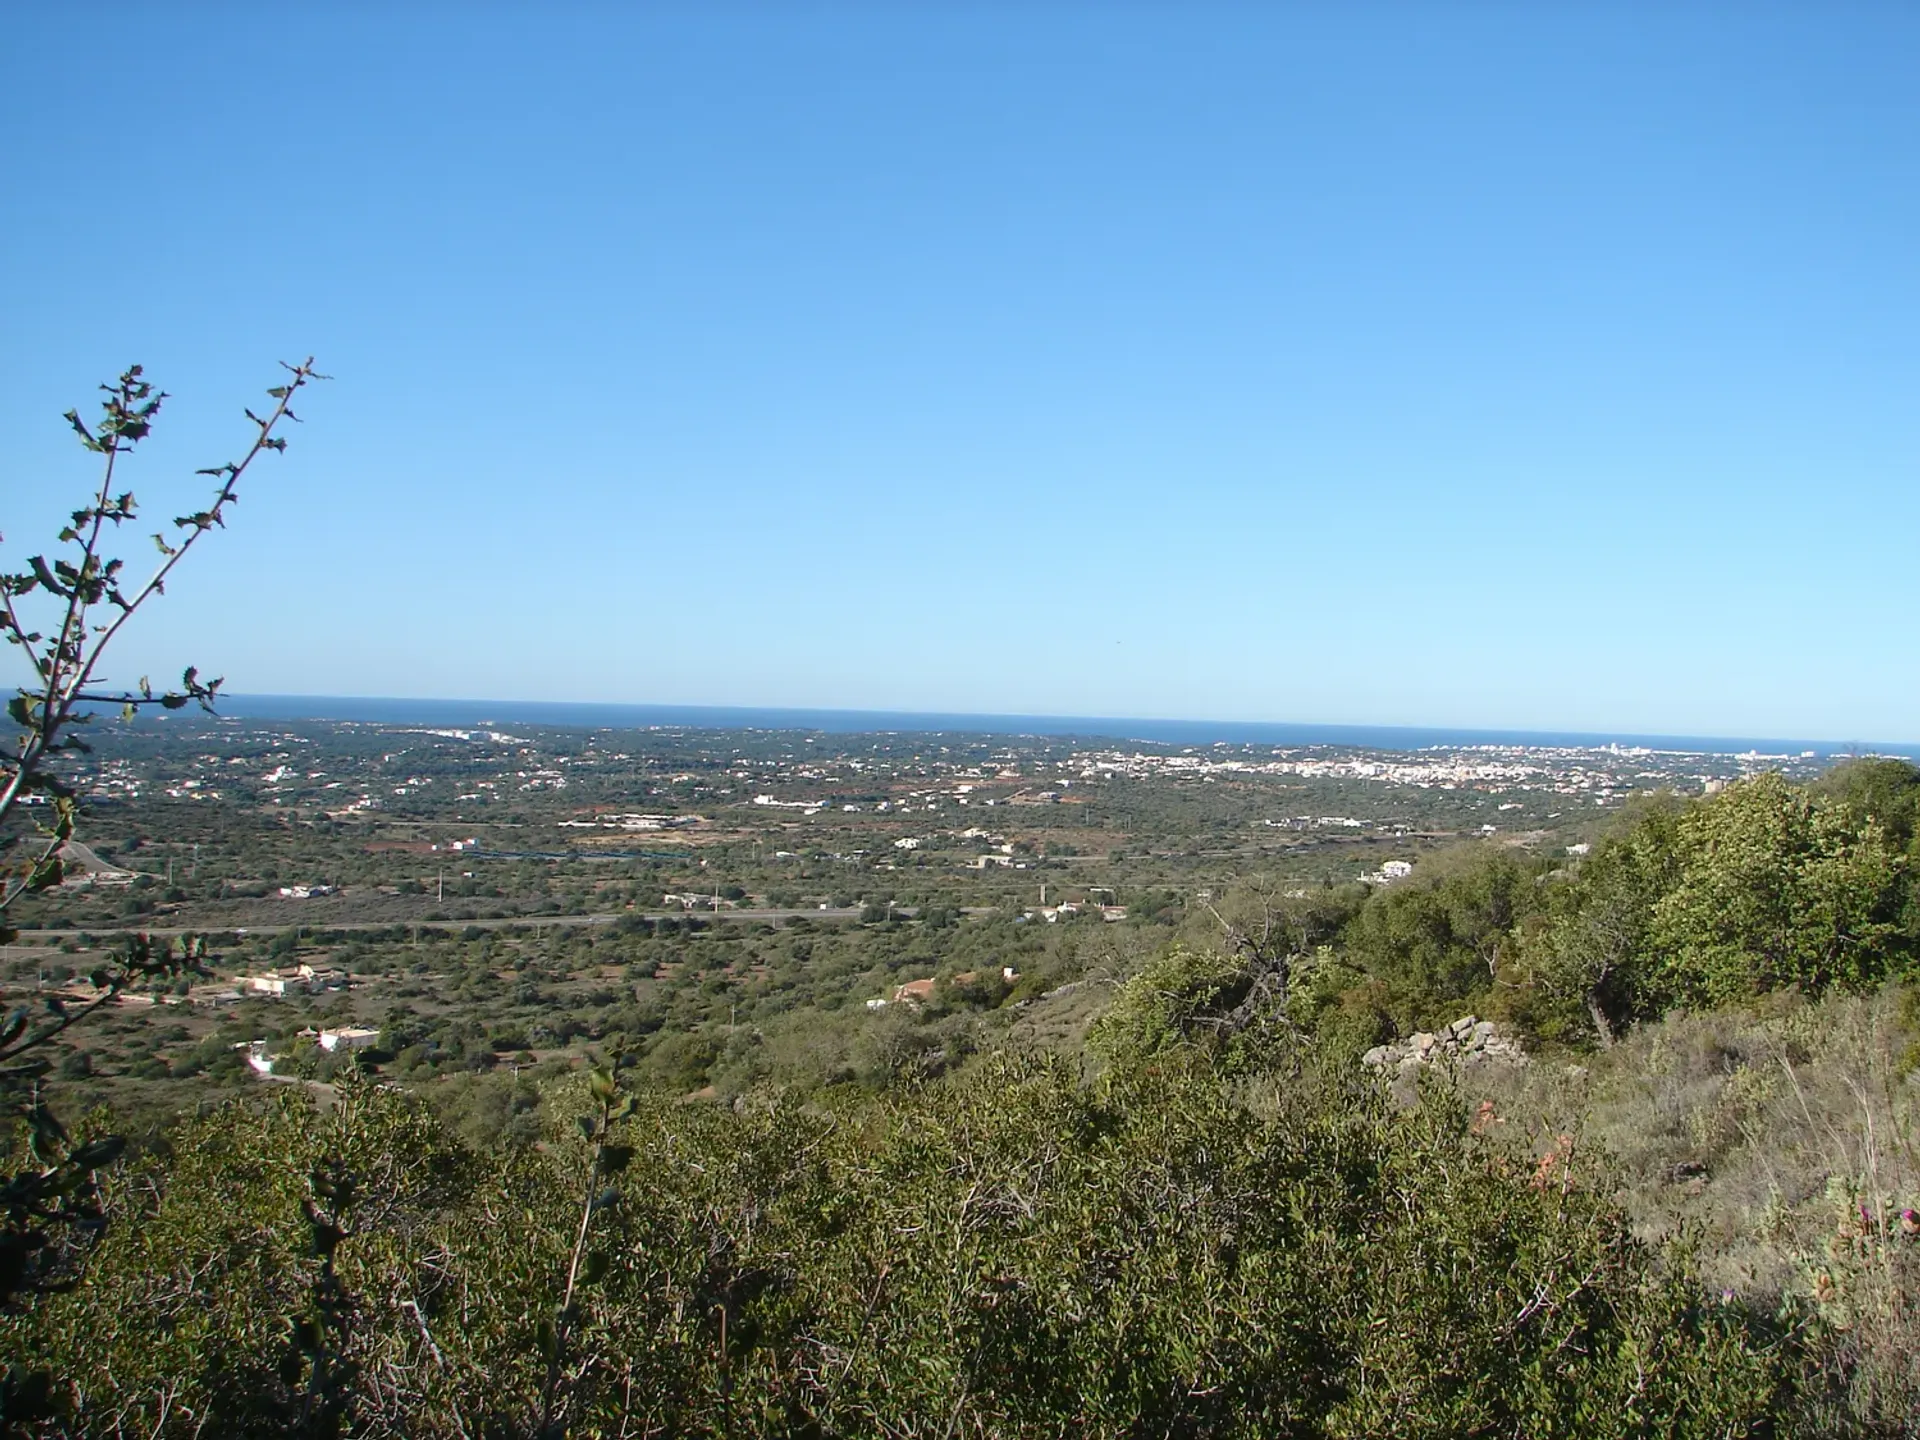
{"points": [[1541, 366]]}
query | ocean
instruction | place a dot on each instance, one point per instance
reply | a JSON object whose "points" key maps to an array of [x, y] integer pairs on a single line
{"points": [[465, 713]]}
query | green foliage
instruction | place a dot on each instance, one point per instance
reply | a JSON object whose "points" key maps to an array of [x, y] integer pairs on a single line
{"points": [[70, 594], [225, 1275], [1877, 788], [1762, 887], [1584, 965], [1341, 1006], [1014, 1253], [1773, 887], [1180, 998], [1440, 941]]}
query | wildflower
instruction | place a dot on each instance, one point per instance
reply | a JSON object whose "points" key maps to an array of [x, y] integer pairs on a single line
{"points": [[1561, 1155]]}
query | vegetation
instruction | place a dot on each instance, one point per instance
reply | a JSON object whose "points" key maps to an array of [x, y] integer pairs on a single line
{"points": [[83, 598], [1015, 1253]]}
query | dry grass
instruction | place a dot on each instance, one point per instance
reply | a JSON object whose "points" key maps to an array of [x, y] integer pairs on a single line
{"points": [[1783, 1141]]}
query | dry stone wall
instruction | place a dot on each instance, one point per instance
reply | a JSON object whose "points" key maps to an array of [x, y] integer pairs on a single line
{"points": [[1467, 1041]]}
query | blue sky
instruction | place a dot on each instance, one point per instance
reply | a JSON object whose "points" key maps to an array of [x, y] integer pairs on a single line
{"points": [[1470, 364]]}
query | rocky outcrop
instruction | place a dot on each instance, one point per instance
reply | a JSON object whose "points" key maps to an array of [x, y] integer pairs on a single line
{"points": [[1467, 1041]]}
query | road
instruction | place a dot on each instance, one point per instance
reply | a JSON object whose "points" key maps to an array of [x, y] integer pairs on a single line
{"points": [[767, 917]]}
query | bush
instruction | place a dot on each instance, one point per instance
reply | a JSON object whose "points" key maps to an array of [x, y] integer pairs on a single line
{"points": [[1775, 887], [1013, 1253]]}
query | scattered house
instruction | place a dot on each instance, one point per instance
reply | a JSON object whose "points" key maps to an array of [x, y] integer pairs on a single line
{"points": [[1113, 912], [908, 842], [617, 822], [257, 1055], [914, 992], [877, 1003], [1389, 871], [1007, 973], [81, 866], [297, 980], [350, 1037], [306, 892]]}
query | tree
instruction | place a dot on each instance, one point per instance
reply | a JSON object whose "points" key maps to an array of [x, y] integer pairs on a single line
{"points": [[1443, 938], [1588, 961], [1183, 997], [1270, 929], [1881, 788], [64, 614], [1775, 886]]}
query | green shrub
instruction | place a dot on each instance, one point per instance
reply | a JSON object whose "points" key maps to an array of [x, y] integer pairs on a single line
{"points": [[1012, 1253], [1775, 886]]}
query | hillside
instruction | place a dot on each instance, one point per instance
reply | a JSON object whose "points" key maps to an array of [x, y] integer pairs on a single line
{"points": [[1629, 1121]]}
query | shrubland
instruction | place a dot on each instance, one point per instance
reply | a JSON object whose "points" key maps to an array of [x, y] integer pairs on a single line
{"points": [[1691, 1213], [1209, 1220], [1015, 1251]]}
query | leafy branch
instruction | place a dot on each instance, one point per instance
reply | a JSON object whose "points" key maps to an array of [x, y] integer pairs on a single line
{"points": [[64, 613], [85, 584], [599, 1192]]}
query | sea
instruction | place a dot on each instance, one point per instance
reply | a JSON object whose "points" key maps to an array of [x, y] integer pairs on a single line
{"points": [[1195, 733]]}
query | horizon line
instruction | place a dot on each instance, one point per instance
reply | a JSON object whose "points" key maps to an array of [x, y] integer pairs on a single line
{"points": [[1102, 726]]}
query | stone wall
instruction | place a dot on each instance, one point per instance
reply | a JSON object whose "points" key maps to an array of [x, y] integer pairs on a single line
{"points": [[1467, 1041]]}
